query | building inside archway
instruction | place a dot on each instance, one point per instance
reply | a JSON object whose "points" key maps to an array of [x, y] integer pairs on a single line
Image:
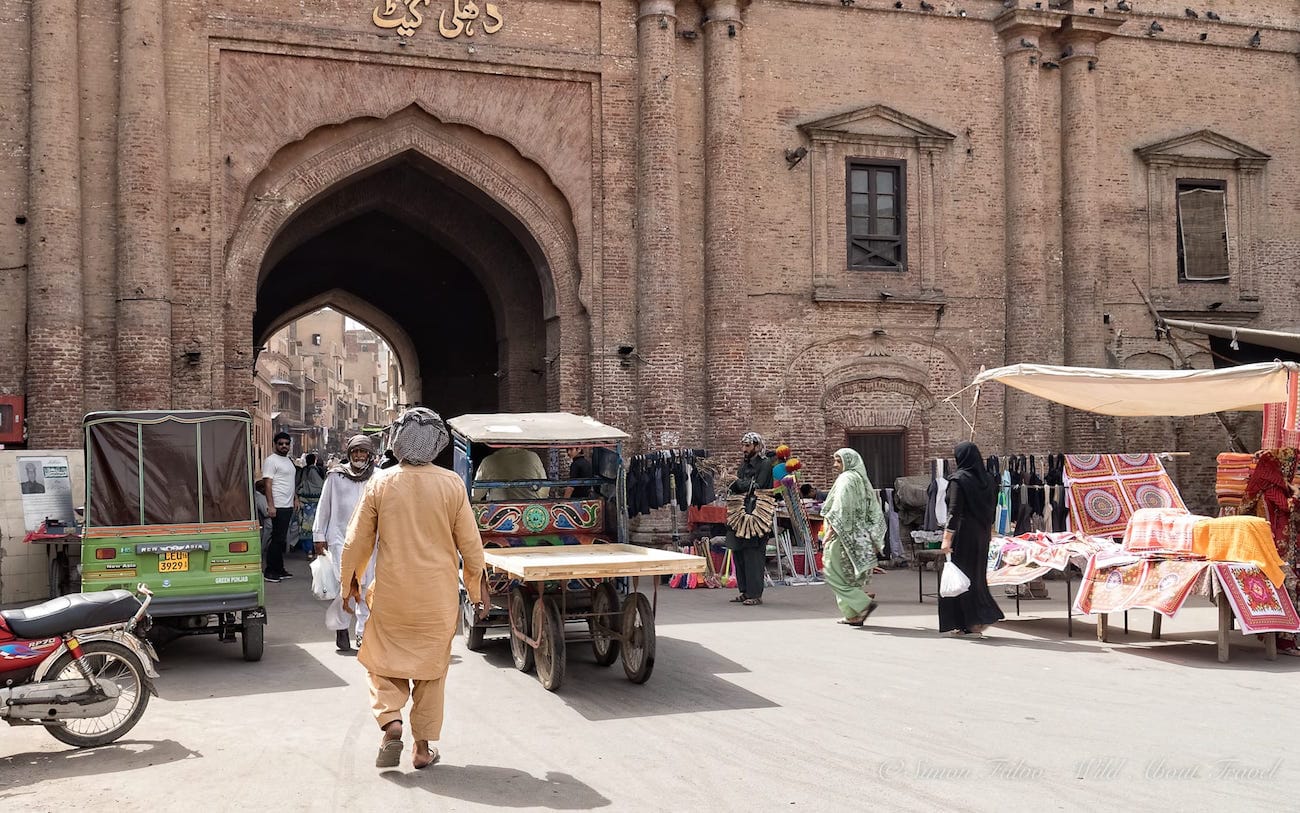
{"points": [[411, 251]]}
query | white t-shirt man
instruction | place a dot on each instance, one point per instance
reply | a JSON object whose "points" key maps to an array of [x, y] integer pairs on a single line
{"points": [[279, 469]]}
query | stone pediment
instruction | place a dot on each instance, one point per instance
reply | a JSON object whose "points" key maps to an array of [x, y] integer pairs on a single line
{"points": [[1203, 148], [879, 124]]}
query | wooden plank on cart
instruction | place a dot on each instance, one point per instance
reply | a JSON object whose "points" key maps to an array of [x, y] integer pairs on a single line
{"points": [[589, 561]]}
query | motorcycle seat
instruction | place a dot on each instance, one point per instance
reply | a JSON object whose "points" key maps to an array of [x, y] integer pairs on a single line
{"points": [[72, 612]]}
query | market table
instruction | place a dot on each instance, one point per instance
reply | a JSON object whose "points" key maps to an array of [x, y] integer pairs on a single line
{"points": [[629, 628], [1241, 590]]}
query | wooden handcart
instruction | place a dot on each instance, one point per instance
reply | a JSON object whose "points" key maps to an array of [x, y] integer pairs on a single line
{"points": [[537, 617]]}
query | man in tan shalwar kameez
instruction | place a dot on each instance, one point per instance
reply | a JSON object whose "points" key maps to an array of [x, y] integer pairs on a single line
{"points": [[419, 518]]}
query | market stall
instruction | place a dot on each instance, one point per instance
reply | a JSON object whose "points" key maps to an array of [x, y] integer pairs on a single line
{"points": [[1169, 554]]}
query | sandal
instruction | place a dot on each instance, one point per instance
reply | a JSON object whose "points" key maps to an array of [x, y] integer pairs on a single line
{"points": [[434, 758], [390, 753], [738, 599], [752, 602]]}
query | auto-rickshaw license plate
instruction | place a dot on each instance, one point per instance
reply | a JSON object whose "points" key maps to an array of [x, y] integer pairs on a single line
{"points": [[174, 561]]}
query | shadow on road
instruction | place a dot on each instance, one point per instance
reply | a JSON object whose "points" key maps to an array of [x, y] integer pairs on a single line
{"points": [[186, 670], [605, 693], [501, 787], [994, 639], [1202, 652], [126, 755]]}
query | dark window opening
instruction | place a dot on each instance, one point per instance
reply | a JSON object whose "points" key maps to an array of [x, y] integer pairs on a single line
{"points": [[876, 215], [1202, 231], [884, 454]]}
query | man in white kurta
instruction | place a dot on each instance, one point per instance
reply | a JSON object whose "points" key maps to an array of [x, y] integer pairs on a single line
{"points": [[417, 516], [338, 499]]}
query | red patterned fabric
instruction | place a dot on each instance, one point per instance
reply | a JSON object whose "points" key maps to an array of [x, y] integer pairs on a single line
{"points": [[1097, 508], [1146, 463], [1160, 585], [1105, 490], [1152, 491], [1258, 605]]}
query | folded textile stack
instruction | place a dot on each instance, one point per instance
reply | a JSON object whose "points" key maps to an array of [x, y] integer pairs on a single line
{"points": [[1163, 530], [1231, 478]]}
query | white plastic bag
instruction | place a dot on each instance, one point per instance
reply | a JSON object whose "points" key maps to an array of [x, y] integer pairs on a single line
{"points": [[952, 582], [324, 578], [337, 617]]}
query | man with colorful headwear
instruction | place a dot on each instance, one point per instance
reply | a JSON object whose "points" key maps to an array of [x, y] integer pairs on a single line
{"points": [[753, 474], [418, 517], [338, 499]]}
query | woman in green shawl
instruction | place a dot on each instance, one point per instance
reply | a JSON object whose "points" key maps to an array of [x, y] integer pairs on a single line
{"points": [[854, 534]]}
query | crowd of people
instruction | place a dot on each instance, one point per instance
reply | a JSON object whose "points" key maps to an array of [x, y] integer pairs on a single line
{"points": [[401, 609], [853, 535]]}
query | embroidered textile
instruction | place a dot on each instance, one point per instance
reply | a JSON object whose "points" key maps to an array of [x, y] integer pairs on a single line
{"points": [[1258, 605], [1021, 559], [1105, 490], [1159, 585], [1160, 529], [1146, 463]]}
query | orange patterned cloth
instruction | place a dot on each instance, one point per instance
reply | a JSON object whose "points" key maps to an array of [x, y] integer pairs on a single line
{"points": [[1239, 539]]}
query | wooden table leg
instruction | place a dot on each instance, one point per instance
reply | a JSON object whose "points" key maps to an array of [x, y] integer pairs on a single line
{"points": [[1103, 627], [1270, 645], [1155, 626], [1225, 621]]}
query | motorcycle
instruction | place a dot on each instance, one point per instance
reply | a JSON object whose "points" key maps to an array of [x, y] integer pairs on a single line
{"points": [[79, 665]]}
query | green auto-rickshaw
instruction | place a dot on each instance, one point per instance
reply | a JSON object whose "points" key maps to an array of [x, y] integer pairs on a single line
{"points": [[169, 502]]}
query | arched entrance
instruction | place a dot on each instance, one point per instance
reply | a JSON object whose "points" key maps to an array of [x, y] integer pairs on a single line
{"points": [[454, 248]]}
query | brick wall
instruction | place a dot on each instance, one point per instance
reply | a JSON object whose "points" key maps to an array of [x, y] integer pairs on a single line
{"points": [[1000, 200]]}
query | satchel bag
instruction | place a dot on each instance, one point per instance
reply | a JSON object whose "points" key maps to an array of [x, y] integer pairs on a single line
{"points": [[751, 515]]}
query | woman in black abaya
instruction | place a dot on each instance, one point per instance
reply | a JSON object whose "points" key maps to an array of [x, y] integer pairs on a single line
{"points": [[972, 505]]}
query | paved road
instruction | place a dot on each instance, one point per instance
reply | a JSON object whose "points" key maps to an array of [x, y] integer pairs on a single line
{"points": [[750, 708]]}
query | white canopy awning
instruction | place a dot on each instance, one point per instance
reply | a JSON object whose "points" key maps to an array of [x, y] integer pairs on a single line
{"points": [[1134, 393], [529, 428]]}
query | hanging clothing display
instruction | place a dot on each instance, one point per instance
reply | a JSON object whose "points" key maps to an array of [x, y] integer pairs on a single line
{"points": [[670, 477], [891, 524]]}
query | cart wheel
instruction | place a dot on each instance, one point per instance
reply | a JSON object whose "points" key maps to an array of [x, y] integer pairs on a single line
{"points": [[521, 618], [252, 640], [638, 638], [604, 613], [473, 634], [550, 643]]}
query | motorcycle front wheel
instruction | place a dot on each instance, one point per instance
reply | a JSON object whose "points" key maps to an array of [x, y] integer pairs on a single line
{"points": [[112, 662]]}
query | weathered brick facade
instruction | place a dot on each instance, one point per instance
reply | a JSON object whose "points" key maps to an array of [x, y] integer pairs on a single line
{"points": [[669, 177]]}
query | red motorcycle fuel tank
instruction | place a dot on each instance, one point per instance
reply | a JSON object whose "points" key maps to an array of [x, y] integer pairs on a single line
{"points": [[18, 654]]}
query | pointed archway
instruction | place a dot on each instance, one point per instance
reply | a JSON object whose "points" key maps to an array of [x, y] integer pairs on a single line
{"points": [[480, 216]]}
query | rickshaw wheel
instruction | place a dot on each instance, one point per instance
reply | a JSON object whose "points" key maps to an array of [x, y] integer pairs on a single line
{"points": [[251, 640], [521, 618], [638, 638], [550, 643], [473, 635], [604, 613]]}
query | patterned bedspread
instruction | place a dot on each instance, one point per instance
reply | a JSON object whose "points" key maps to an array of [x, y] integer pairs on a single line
{"points": [[1258, 605], [1159, 585], [1105, 489], [1021, 559]]}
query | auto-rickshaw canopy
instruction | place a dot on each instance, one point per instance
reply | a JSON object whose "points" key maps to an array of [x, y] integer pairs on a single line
{"points": [[535, 429], [168, 467]]}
